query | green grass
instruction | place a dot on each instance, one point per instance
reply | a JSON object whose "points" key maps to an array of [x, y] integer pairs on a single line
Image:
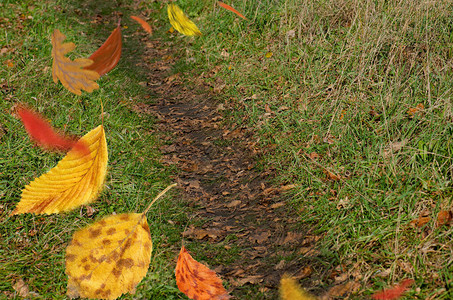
{"points": [[32, 247], [340, 82]]}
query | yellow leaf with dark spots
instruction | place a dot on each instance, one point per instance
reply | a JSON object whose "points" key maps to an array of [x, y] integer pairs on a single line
{"points": [[77, 179], [108, 258], [71, 72]]}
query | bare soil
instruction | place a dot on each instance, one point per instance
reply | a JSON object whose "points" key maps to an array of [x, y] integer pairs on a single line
{"points": [[218, 174]]}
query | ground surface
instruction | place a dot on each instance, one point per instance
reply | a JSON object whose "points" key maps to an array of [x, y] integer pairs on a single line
{"points": [[238, 207]]}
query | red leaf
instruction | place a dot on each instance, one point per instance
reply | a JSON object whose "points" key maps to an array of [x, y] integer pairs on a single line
{"points": [[226, 6], [394, 292], [108, 55], [196, 280], [44, 135], [144, 24]]}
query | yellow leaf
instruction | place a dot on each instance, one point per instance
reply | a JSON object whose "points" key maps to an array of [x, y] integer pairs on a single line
{"points": [[109, 258], [77, 179], [269, 55], [180, 21], [290, 290], [71, 73]]}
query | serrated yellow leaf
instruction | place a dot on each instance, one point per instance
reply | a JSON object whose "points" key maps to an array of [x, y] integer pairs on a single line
{"points": [[108, 258], [77, 179], [290, 290], [71, 73], [180, 21]]}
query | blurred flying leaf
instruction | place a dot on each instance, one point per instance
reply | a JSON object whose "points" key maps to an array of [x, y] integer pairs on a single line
{"points": [[180, 21], [290, 290], [394, 292], [226, 6], [45, 136], [77, 179], [71, 73], [108, 55], [143, 23]]}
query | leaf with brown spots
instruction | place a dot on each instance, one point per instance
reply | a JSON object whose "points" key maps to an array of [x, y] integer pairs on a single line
{"points": [[71, 72], [109, 258], [77, 179], [196, 280], [108, 55]]}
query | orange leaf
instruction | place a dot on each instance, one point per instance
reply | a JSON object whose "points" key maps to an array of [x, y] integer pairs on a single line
{"points": [[196, 280], [226, 6], [444, 217], [144, 24], [70, 72], [394, 292], [108, 55], [420, 222], [44, 135]]}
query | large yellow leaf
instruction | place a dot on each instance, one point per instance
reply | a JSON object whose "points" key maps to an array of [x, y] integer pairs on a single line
{"points": [[290, 290], [108, 258], [180, 21], [71, 73], [77, 179]]}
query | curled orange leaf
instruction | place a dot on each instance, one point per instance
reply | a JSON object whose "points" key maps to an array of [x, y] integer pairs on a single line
{"points": [[226, 6], [196, 280], [143, 23], [108, 55]]}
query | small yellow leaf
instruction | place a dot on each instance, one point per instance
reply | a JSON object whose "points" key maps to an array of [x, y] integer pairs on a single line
{"points": [[180, 21], [290, 290], [71, 73], [77, 179], [269, 55], [108, 258]]}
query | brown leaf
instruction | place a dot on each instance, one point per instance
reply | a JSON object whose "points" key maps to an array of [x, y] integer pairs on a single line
{"points": [[108, 55], [420, 222], [21, 288], [444, 218], [342, 290], [196, 280], [71, 73]]}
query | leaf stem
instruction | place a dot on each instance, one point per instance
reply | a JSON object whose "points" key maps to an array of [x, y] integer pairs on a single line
{"points": [[158, 196]]}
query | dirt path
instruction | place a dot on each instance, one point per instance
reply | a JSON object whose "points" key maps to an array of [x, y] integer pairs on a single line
{"points": [[218, 174]]}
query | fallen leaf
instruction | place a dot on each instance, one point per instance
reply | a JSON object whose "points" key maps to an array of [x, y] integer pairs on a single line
{"points": [[108, 258], [290, 290], [71, 73], [45, 136], [233, 203], [420, 222], [415, 110], [180, 21], [197, 281], [343, 290], [226, 6], [108, 55], [143, 23], [394, 292], [444, 218], [269, 55], [21, 288], [77, 179]]}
